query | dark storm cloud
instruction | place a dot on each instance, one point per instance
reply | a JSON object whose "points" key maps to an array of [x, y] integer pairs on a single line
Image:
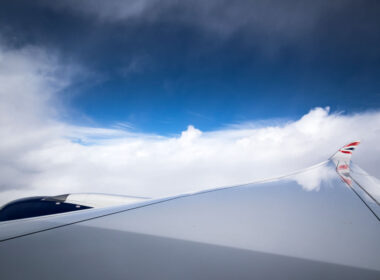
{"points": [[89, 27]]}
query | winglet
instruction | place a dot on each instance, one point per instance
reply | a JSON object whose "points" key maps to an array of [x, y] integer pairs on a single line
{"points": [[345, 153], [342, 159]]}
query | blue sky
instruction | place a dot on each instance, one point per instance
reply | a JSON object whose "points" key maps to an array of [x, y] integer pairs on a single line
{"points": [[159, 66]]}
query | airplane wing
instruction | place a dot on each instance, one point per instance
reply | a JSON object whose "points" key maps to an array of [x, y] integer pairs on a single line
{"points": [[318, 223]]}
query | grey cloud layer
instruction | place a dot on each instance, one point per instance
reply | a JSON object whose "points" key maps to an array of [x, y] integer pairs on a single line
{"points": [[173, 36], [270, 21], [291, 15], [289, 18]]}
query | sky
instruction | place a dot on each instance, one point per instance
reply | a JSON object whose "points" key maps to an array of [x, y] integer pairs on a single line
{"points": [[147, 97]]}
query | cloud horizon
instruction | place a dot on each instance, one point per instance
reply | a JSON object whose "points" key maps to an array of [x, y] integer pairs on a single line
{"points": [[42, 154]]}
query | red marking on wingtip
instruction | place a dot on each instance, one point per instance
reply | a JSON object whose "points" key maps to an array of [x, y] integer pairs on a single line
{"points": [[343, 167], [352, 144], [347, 180], [346, 152]]}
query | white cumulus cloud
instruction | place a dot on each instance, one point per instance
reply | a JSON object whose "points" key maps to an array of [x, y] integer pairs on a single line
{"points": [[40, 154]]}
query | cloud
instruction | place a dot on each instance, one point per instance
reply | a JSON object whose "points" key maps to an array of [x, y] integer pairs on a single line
{"points": [[41, 154], [218, 15], [305, 46], [269, 21]]}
